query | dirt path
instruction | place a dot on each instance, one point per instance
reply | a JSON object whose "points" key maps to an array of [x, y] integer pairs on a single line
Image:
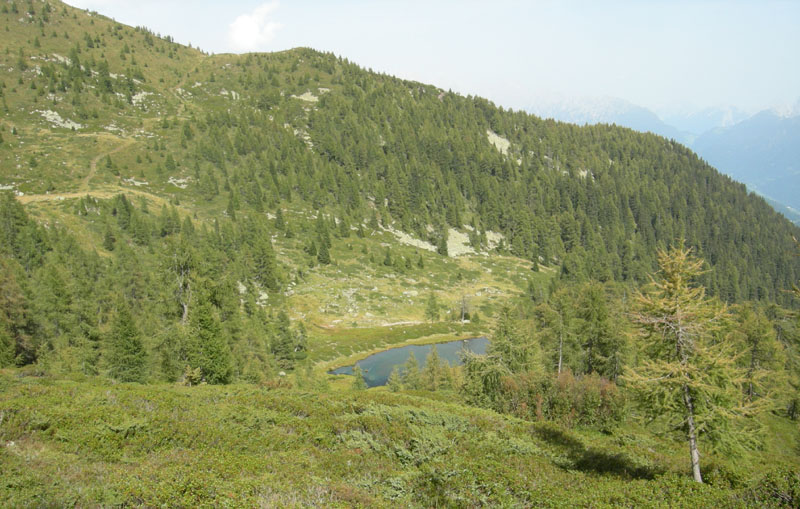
{"points": [[104, 192], [93, 165]]}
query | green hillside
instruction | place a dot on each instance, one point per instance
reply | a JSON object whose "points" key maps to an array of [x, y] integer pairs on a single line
{"points": [[244, 446], [306, 131], [190, 242]]}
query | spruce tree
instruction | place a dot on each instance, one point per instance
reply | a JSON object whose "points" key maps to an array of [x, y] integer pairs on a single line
{"points": [[441, 245], [231, 208], [127, 358], [265, 263], [283, 342]]}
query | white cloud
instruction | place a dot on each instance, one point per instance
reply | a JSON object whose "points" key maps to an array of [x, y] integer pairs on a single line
{"points": [[253, 31]]}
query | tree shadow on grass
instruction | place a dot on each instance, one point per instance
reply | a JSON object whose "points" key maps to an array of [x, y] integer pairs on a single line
{"points": [[588, 459]]}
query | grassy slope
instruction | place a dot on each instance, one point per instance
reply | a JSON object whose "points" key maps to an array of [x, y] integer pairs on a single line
{"points": [[83, 443]]}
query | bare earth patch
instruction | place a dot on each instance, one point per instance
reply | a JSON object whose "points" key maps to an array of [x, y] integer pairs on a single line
{"points": [[308, 96], [498, 141]]}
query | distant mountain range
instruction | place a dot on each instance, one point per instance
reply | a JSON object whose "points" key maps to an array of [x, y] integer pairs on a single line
{"points": [[699, 122], [608, 110], [762, 150]]}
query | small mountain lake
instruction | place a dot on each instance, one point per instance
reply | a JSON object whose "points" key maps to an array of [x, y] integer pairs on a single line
{"points": [[377, 367]]}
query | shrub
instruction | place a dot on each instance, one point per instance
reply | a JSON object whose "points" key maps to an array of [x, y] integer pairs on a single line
{"points": [[589, 400]]}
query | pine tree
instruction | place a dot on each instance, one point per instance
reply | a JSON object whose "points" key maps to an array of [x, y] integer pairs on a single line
{"points": [[796, 287], [395, 381], [514, 349], [359, 384], [127, 358], [602, 343], [432, 373], [432, 308], [14, 321], [411, 375], [762, 353], [283, 342], [211, 350], [323, 255], [690, 378]]}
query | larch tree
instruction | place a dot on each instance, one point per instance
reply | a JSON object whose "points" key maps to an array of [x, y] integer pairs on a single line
{"points": [[513, 351], [689, 377]]}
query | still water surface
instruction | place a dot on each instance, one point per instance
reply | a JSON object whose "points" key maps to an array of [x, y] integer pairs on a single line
{"points": [[377, 367]]}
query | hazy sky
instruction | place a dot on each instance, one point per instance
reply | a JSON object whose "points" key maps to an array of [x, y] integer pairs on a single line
{"points": [[665, 55]]}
